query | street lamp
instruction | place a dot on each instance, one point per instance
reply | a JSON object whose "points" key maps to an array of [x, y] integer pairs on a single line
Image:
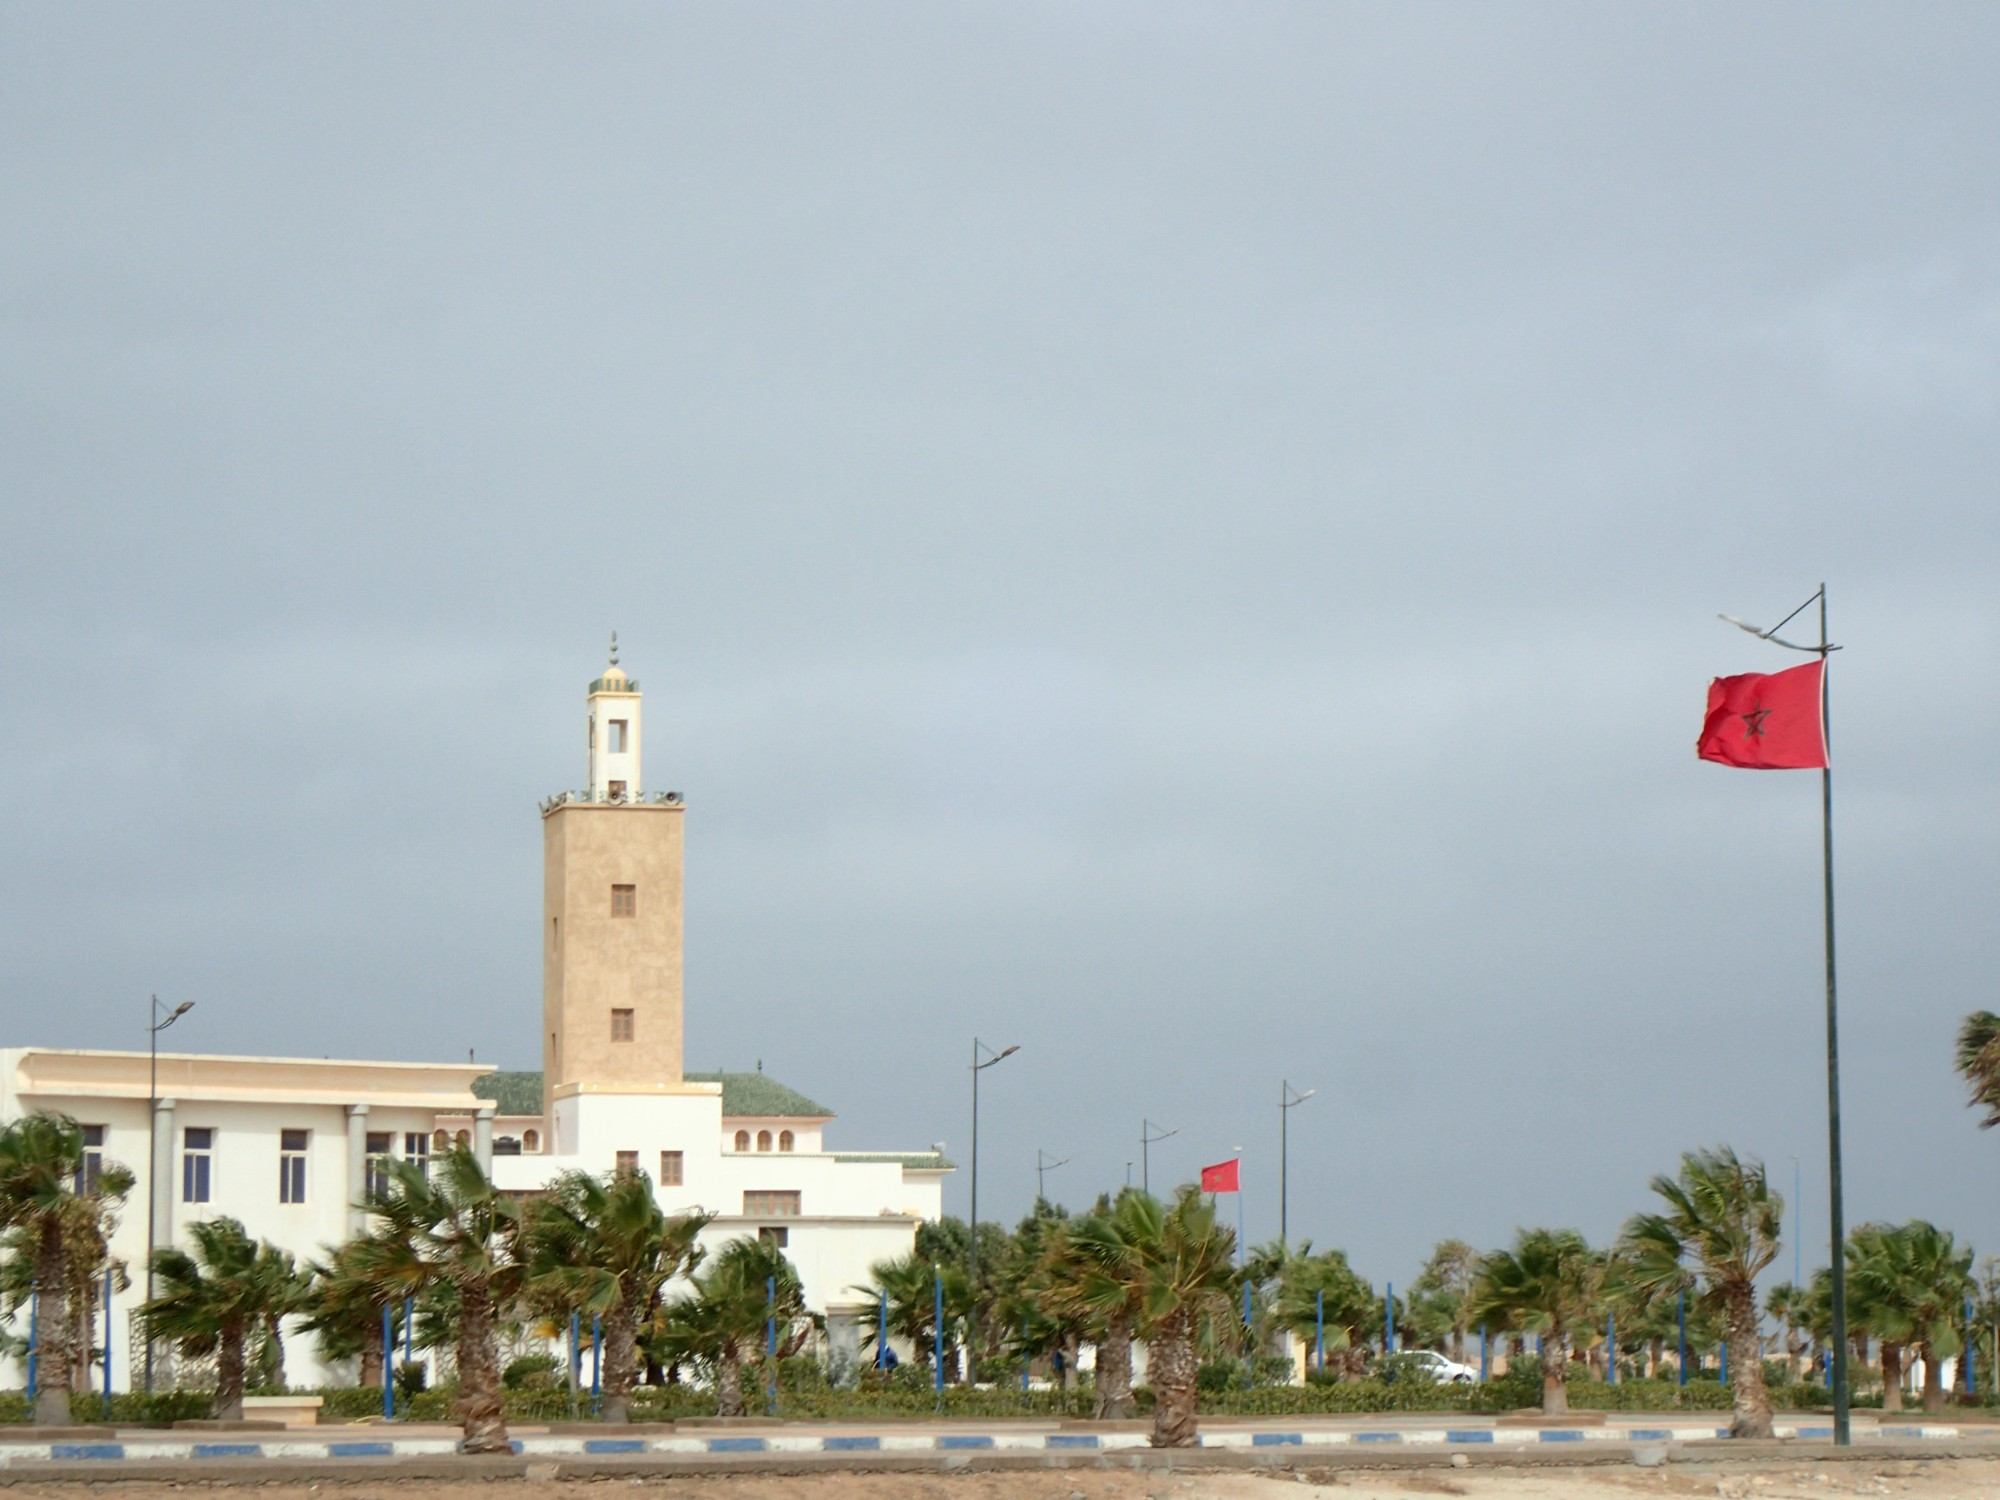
{"points": [[972, 1255], [154, 1026], [1042, 1167], [1289, 1099], [1146, 1139]]}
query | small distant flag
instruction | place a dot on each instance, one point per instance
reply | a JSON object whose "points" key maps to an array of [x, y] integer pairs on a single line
{"points": [[1767, 721], [1220, 1178]]}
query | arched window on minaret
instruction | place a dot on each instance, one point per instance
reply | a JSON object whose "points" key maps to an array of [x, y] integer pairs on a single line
{"points": [[742, 1140]]}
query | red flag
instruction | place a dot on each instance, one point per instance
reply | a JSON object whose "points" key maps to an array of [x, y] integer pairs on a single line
{"points": [[1767, 721], [1220, 1178]]}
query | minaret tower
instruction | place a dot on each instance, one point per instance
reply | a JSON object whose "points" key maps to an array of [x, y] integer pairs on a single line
{"points": [[611, 921]]}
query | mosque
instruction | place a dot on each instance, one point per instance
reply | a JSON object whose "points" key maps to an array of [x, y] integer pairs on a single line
{"points": [[290, 1145]]}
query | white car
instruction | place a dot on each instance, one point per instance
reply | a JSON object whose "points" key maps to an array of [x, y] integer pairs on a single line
{"points": [[1444, 1371]]}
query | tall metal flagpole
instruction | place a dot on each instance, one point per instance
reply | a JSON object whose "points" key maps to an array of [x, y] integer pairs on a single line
{"points": [[1835, 1208]]}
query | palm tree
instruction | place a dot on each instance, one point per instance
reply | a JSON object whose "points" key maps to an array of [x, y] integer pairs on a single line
{"points": [[1443, 1289], [1324, 1290], [1722, 1214], [1911, 1281], [208, 1302], [1092, 1278], [1787, 1303], [602, 1246], [344, 1312], [62, 1221], [1978, 1061], [449, 1231], [750, 1292], [910, 1285], [285, 1291], [1547, 1284], [1176, 1263]]}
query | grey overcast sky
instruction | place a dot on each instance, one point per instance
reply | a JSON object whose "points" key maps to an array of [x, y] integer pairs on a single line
{"points": [[1184, 537]]}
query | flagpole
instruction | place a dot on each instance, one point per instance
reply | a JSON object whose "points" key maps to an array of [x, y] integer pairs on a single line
{"points": [[1842, 1436]]}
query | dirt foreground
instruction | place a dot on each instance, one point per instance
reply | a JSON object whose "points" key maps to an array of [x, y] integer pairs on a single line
{"points": [[1919, 1479]]}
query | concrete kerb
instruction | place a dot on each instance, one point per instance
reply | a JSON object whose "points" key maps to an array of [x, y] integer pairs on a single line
{"points": [[1325, 1461]]}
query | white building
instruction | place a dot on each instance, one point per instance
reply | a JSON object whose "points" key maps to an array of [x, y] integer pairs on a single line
{"points": [[284, 1144]]}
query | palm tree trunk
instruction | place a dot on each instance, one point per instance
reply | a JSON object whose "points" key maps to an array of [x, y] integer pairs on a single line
{"points": [[1746, 1365], [51, 1329], [619, 1355], [1656, 1355], [729, 1383], [1114, 1370], [482, 1410], [1555, 1372], [1171, 1367], [1892, 1376], [275, 1332], [229, 1373], [1458, 1343], [1933, 1379]]}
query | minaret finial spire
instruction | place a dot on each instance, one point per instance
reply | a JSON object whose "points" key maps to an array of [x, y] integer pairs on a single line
{"points": [[614, 648]]}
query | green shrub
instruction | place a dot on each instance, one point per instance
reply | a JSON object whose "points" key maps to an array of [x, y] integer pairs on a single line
{"points": [[531, 1372]]}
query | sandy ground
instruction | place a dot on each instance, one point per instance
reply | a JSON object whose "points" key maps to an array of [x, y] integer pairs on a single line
{"points": [[1928, 1479]]}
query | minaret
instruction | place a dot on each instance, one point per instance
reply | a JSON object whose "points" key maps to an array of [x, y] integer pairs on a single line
{"points": [[611, 921]]}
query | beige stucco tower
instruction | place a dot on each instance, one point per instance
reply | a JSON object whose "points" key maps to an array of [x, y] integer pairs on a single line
{"points": [[611, 917]]}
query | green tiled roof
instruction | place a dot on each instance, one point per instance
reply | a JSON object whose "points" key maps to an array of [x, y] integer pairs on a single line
{"points": [[515, 1093], [759, 1095], [755, 1095], [916, 1161]]}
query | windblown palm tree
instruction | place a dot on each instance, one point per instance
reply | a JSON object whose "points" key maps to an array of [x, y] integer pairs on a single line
{"points": [[62, 1222], [1092, 1277], [910, 1285], [748, 1294], [1722, 1215], [449, 1231], [209, 1302], [1978, 1061], [1547, 1284], [343, 1312], [603, 1247], [1910, 1282], [1323, 1290]]}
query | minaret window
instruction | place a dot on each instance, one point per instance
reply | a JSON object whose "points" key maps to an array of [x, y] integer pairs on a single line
{"points": [[763, 1140], [624, 899], [614, 741], [742, 1140], [621, 1026], [784, 1140]]}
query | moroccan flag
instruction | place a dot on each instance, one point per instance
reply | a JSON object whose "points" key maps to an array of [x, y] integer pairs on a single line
{"points": [[1767, 721], [1220, 1178]]}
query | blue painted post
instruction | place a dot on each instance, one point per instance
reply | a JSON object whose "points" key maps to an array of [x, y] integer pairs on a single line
{"points": [[409, 1330], [1968, 1347], [34, 1340], [388, 1360], [771, 1342], [596, 1363], [107, 1342], [1485, 1371], [882, 1332], [1681, 1318], [1611, 1346], [1725, 1361], [937, 1341], [575, 1355], [1319, 1331], [1389, 1318], [1024, 1355]]}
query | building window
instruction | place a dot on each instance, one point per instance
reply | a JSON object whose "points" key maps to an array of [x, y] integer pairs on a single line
{"points": [[762, 1204], [742, 1140], [624, 898], [775, 1235], [90, 1166], [614, 742], [763, 1140], [463, 1138], [441, 1141], [417, 1148], [197, 1142], [671, 1169], [380, 1143], [621, 1026], [627, 1164], [785, 1141], [617, 791], [292, 1166], [531, 1140]]}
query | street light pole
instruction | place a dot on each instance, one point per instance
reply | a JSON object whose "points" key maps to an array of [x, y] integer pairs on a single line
{"points": [[1042, 1167], [154, 1026], [1146, 1139], [972, 1251], [1289, 1099]]}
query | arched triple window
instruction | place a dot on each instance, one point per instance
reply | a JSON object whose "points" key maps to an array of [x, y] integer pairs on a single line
{"points": [[763, 1140], [742, 1140], [784, 1140]]}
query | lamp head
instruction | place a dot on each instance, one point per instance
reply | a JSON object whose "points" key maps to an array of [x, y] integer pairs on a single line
{"points": [[182, 1009], [1009, 1052]]}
